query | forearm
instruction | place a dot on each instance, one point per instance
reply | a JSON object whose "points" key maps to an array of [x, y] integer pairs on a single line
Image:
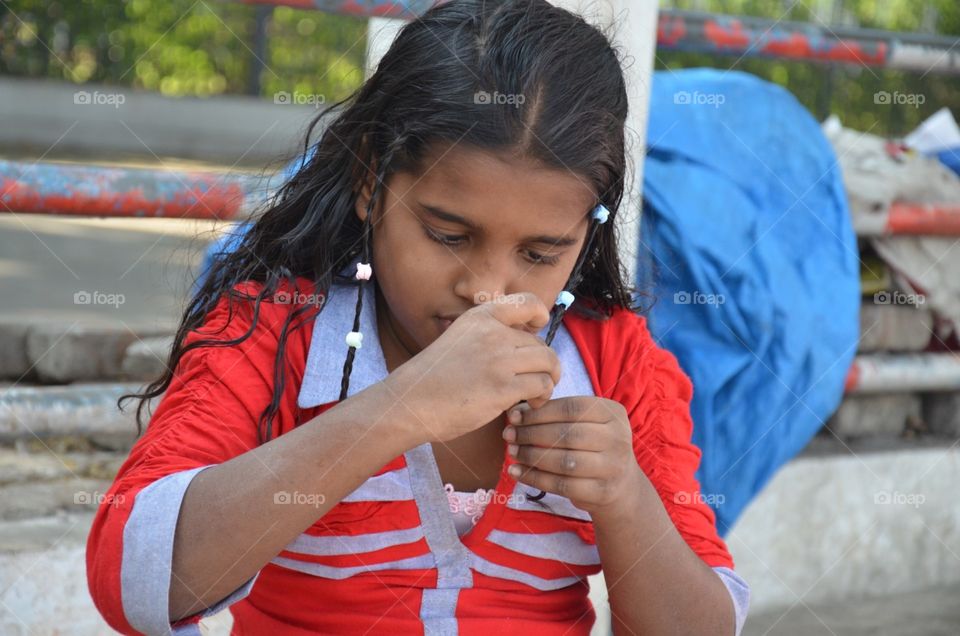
{"points": [[231, 524], [656, 584]]}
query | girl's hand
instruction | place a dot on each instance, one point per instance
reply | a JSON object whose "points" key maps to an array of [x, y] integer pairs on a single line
{"points": [[486, 361], [578, 447]]}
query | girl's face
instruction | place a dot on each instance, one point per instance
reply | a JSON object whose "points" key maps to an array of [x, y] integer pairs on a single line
{"points": [[473, 227]]}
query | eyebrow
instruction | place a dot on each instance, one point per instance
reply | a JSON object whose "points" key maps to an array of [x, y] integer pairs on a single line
{"points": [[443, 215]]}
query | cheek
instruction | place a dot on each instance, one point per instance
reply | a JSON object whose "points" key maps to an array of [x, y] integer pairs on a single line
{"points": [[409, 271]]}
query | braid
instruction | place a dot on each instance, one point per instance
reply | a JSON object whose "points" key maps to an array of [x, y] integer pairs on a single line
{"points": [[366, 260], [560, 308]]}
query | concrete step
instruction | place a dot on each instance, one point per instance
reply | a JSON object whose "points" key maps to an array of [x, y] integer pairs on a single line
{"points": [[79, 351], [77, 410], [897, 415], [893, 327], [46, 482], [146, 359], [850, 520], [885, 414]]}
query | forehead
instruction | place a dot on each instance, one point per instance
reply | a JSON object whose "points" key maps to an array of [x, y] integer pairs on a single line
{"points": [[494, 187]]}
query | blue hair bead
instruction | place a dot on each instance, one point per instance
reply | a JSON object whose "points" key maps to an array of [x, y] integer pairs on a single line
{"points": [[601, 213], [565, 298]]}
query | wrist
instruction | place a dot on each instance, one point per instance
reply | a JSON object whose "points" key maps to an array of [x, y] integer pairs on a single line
{"points": [[633, 503], [395, 419]]}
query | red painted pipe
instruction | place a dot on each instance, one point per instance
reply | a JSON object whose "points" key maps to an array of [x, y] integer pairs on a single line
{"points": [[924, 218], [903, 373], [50, 188]]}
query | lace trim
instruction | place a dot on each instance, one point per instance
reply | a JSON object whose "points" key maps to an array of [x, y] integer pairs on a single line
{"points": [[468, 503]]}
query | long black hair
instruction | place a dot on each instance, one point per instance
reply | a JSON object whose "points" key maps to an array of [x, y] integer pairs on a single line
{"points": [[454, 75]]}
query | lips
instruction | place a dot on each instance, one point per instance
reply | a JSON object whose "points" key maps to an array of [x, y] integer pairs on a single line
{"points": [[446, 321]]}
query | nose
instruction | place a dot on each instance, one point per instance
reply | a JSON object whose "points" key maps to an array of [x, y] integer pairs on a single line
{"points": [[483, 279]]}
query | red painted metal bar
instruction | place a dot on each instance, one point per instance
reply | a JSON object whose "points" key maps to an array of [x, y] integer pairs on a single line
{"points": [[50, 188], [907, 373], [912, 219], [406, 9], [920, 218], [811, 42], [735, 35]]}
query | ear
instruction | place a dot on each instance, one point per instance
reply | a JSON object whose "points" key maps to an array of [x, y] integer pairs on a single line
{"points": [[363, 197], [367, 179]]}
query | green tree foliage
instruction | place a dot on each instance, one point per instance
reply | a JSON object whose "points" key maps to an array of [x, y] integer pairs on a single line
{"points": [[207, 47], [182, 47]]}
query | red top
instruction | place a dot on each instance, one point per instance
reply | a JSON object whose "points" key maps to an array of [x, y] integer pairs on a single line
{"points": [[209, 415]]}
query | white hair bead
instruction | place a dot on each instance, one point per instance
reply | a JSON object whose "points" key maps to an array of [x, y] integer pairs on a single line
{"points": [[364, 271], [354, 339], [565, 298], [601, 213]]}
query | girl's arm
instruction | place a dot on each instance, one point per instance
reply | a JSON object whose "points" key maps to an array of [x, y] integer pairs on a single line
{"points": [[238, 515], [666, 568], [655, 583], [161, 542]]}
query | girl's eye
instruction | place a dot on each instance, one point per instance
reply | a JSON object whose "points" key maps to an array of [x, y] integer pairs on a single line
{"points": [[456, 241], [444, 239], [543, 259]]}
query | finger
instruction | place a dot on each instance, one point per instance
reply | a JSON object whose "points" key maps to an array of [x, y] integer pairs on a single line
{"points": [[537, 359], [574, 488], [536, 388], [561, 461], [522, 309], [587, 436], [580, 408]]}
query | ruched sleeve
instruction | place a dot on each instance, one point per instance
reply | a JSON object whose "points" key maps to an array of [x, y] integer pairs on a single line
{"points": [[208, 415]]}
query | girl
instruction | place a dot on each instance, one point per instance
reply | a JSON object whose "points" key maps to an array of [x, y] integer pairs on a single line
{"points": [[392, 335]]}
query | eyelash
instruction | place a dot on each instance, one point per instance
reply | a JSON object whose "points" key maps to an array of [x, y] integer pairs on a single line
{"points": [[455, 241]]}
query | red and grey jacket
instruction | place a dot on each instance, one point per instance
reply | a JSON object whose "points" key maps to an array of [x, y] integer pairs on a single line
{"points": [[387, 558]]}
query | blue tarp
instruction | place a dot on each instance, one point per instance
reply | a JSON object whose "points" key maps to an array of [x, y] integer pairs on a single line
{"points": [[950, 158], [746, 222], [756, 271]]}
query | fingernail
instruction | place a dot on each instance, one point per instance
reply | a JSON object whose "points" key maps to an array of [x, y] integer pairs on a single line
{"points": [[514, 417], [509, 434], [514, 470], [512, 449]]}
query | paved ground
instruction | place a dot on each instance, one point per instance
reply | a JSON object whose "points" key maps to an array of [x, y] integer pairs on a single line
{"points": [[934, 612], [134, 270]]}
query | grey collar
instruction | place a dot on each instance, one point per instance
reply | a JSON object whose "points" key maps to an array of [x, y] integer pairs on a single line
{"points": [[328, 350]]}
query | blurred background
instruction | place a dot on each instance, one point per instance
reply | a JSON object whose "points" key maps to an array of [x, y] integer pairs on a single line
{"points": [[797, 212]]}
